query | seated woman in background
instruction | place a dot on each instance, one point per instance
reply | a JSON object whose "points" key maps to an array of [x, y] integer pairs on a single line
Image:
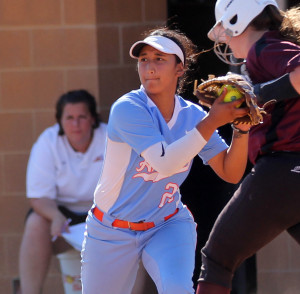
{"points": [[62, 174]]}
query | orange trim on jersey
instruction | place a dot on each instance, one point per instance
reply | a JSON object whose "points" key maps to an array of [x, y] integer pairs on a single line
{"points": [[118, 223]]}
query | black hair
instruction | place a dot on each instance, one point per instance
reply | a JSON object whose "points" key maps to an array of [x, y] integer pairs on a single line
{"points": [[77, 96]]}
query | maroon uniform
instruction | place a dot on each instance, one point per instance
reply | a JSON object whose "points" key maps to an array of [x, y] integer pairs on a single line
{"points": [[270, 58], [267, 201]]}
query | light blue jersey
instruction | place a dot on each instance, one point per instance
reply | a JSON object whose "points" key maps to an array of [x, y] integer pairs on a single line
{"points": [[129, 188]]}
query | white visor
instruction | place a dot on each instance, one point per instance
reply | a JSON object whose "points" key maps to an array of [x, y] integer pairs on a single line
{"points": [[160, 43]]}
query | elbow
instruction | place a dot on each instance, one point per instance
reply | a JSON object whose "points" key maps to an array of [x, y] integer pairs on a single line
{"points": [[165, 171], [167, 168], [237, 179], [233, 179]]}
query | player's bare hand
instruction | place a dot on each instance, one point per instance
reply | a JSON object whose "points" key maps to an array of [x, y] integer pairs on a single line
{"points": [[225, 112]]}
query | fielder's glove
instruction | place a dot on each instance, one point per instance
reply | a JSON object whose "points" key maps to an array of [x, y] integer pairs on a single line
{"points": [[209, 90]]}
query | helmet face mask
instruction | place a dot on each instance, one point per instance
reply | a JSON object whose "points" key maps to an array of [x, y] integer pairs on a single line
{"points": [[224, 53], [221, 38], [232, 18], [218, 32]]}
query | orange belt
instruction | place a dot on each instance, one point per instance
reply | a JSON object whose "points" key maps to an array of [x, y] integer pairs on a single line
{"points": [[141, 226]]}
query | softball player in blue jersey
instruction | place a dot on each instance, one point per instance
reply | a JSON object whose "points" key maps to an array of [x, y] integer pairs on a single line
{"points": [[153, 136]]}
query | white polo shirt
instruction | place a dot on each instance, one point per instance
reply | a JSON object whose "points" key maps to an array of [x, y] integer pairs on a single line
{"points": [[56, 171]]}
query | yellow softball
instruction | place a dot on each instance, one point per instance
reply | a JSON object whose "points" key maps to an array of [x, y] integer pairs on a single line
{"points": [[232, 93]]}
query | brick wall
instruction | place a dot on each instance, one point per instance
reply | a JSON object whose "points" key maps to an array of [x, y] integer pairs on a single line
{"points": [[119, 24], [47, 48], [278, 267]]}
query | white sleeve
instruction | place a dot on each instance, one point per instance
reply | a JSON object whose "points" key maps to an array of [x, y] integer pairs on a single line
{"points": [[40, 176], [168, 159]]}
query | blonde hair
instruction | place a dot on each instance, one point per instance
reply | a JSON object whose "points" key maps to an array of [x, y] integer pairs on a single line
{"points": [[290, 26]]}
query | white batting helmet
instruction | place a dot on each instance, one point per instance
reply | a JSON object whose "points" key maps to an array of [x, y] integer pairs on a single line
{"points": [[233, 16]]}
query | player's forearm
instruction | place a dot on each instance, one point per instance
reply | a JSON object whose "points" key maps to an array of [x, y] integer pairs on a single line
{"points": [[45, 207], [235, 160], [282, 88], [169, 159], [207, 127]]}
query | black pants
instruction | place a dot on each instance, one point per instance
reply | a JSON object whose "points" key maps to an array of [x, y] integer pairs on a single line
{"points": [[266, 204]]}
